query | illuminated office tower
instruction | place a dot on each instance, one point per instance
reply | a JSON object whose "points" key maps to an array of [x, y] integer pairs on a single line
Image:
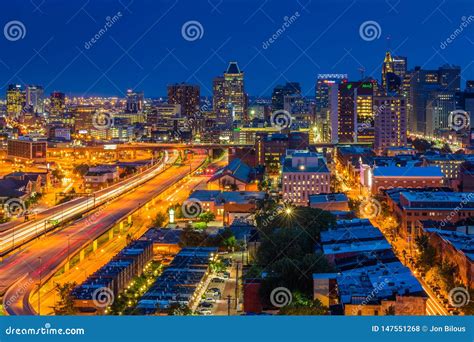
{"points": [[390, 122], [280, 91], [35, 98], [235, 97], [135, 101], [325, 84], [16, 100], [186, 95], [57, 105], [355, 115], [219, 103], [394, 69], [439, 105], [426, 85]]}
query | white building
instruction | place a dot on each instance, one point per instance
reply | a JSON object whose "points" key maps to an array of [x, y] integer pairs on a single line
{"points": [[304, 173]]}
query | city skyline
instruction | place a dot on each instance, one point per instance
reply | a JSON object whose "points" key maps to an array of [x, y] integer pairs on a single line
{"points": [[316, 39]]}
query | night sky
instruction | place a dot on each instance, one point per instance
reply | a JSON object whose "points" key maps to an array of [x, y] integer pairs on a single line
{"points": [[144, 48]]}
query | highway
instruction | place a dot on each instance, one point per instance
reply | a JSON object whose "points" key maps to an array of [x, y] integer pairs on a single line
{"points": [[21, 272], [12, 236]]}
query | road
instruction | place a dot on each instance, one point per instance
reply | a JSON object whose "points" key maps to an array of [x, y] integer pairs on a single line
{"points": [[433, 306], [20, 273], [13, 235]]}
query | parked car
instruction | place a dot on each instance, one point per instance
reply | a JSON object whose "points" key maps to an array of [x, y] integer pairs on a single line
{"points": [[218, 280]]}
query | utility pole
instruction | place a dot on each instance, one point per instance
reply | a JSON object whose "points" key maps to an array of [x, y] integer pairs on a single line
{"points": [[237, 285], [228, 304], [39, 288]]}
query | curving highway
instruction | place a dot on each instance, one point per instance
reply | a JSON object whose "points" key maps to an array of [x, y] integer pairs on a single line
{"points": [[21, 272]]}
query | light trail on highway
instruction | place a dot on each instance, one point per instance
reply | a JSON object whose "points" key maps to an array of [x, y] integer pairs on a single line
{"points": [[27, 231]]}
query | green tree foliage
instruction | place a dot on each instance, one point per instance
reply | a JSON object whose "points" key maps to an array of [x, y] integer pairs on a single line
{"points": [[302, 305], [160, 220], [207, 217], [427, 257], [65, 305]]}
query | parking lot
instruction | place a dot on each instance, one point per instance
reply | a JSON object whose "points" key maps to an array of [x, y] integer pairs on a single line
{"points": [[215, 298]]}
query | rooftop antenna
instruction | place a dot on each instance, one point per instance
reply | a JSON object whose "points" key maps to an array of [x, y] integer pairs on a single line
{"points": [[362, 72]]}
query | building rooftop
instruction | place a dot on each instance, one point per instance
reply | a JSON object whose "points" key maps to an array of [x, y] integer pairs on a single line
{"points": [[237, 168], [460, 241], [164, 236], [328, 198], [375, 283], [408, 171]]}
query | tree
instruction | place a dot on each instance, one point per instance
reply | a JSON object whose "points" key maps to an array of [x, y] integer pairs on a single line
{"points": [[160, 220], [81, 169], [200, 225], [390, 311], [427, 257], [57, 174], [207, 216], [302, 305], [65, 305], [177, 309]]}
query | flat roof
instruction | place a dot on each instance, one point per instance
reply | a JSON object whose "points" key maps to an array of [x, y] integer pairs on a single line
{"points": [[408, 171]]}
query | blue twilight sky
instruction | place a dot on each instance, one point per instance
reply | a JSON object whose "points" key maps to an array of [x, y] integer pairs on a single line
{"points": [[144, 48]]}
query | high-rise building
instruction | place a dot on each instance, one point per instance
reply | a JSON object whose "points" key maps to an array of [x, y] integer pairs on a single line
{"points": [[186, 95], [400, 66], [135, 101], [234, 92], [390, 122], [326, 84], [394, 70], [354, 110], [16, 100], [229, 97], [424, 86], [57, 105], [219, 103], [35, 98], [470, 86], [280, 91], [439, 105]]}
